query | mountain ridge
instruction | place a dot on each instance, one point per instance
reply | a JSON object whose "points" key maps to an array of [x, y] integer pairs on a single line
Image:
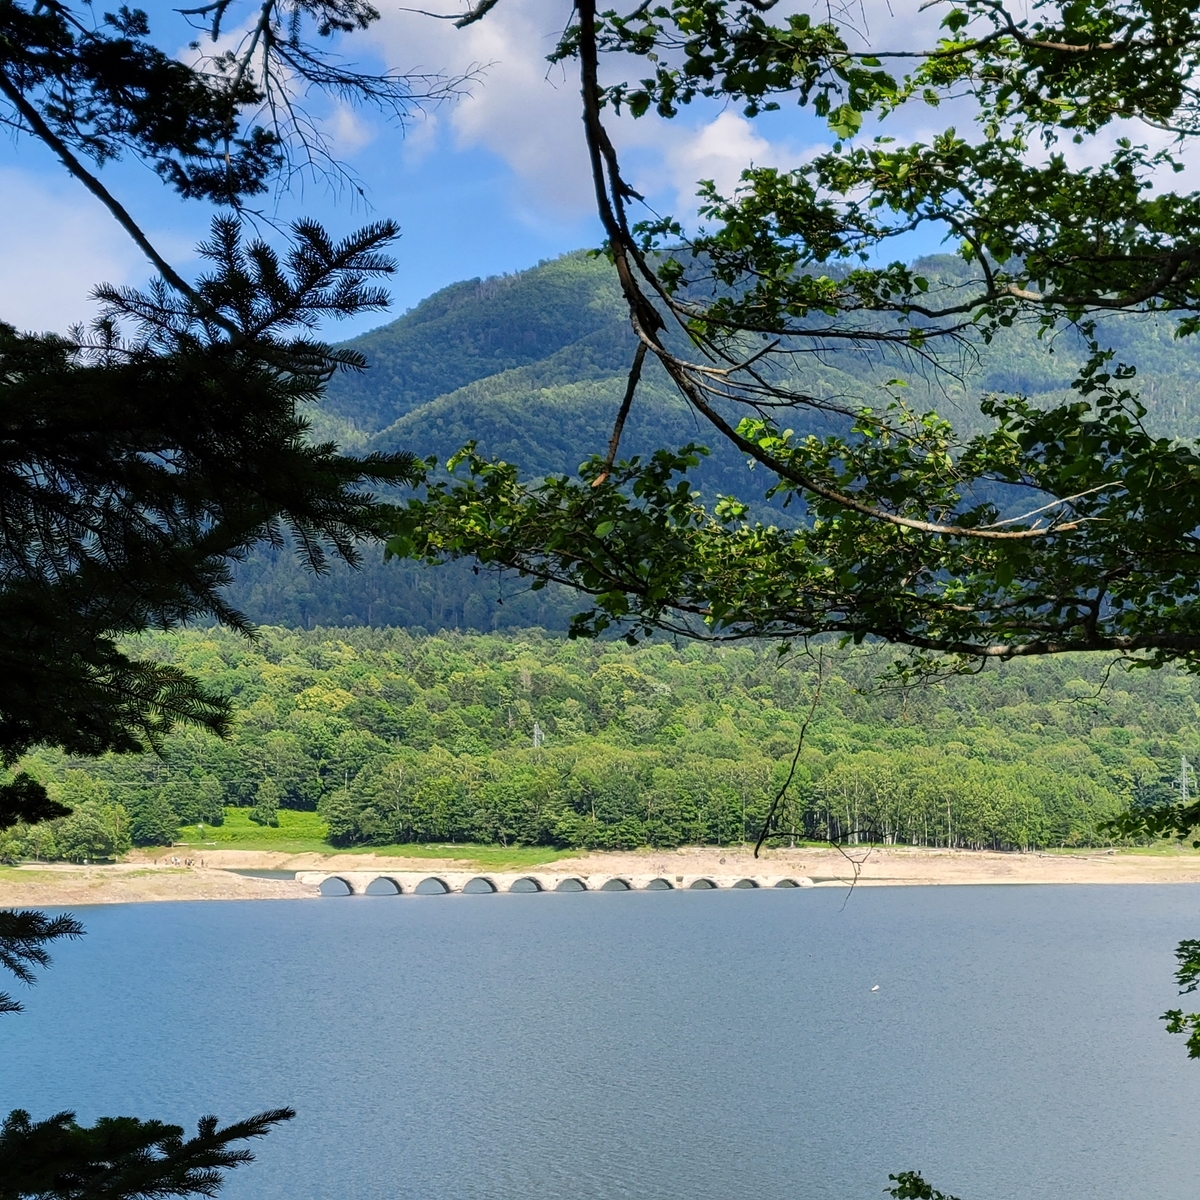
{"points": [[532, 368], [472, 330]]}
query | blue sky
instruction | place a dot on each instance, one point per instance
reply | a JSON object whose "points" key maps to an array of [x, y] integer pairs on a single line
{"points": [[487, 184]]}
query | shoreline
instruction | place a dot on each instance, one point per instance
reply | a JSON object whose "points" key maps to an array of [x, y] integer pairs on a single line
{"points": [[139, 879]]}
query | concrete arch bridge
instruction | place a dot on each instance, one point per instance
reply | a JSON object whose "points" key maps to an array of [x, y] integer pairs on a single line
{"points": [[405, 883]]}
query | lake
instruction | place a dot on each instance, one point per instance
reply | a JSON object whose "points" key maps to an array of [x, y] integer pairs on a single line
{"points": [[698, 1045]]}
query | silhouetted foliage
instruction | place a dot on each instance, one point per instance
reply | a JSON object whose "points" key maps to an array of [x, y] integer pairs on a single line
{"points": [[121, 1158], [24, 937], [124, 512], [141, 457], [24, 800]]}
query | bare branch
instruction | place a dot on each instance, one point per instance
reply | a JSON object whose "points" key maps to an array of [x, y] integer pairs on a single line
{"points": [[635, 373], [1053, 504], [812, 708], [479, 11]]}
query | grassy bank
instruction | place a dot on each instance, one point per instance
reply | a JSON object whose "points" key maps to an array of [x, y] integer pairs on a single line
{"points": [[296, 833], [306, 833]]}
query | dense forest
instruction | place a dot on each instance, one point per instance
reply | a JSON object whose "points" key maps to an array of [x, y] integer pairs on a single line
{"points": [[394, 738]]}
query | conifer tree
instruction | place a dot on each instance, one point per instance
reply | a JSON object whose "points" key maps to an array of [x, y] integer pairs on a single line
{"points": [[141, 457]]}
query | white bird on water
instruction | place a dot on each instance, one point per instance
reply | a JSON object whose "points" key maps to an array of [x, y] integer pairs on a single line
{"points": [[875, 988]]}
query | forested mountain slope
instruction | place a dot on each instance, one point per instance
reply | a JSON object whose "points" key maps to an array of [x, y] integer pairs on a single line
{"points": [[476, 329], [532, 367]]}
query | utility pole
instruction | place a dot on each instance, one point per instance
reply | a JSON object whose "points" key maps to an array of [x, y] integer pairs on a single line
{"points": [[538, 736]]}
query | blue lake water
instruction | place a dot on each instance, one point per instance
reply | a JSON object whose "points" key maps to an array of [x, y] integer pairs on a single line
{"points": [[698, 1045]]}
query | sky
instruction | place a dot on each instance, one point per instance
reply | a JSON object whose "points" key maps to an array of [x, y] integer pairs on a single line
{"points": [[492, 182], [489, 183]]}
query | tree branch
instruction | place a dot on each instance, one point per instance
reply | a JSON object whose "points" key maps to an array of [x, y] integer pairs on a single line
{"points": [[812, 708], [47, 135], [635, 373], [647, 322]]}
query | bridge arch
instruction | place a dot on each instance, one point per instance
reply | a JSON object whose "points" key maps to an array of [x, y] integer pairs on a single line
{"points": [[660, 885], [335, 885], [571, 884], [433, 886], [616, 884], [481, 885], [383, 885], [701, 885], [526, 884], [746, 883], [787, 883]]}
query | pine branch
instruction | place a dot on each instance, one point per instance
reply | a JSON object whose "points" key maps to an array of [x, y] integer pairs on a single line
{"points": [[24, 936], [122, 1158]]}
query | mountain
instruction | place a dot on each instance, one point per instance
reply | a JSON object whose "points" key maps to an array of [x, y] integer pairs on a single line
{"points": [[532, 367], [477, 329]]}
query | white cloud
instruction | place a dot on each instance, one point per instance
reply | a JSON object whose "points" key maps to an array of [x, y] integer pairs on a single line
{"points": [[520, 109], [527, 112], [347, 130], [58, 245], [882, 25], [421, 129], [720, 151]]}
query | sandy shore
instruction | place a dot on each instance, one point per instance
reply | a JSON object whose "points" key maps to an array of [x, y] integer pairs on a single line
{"points": [[212, 878]]}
